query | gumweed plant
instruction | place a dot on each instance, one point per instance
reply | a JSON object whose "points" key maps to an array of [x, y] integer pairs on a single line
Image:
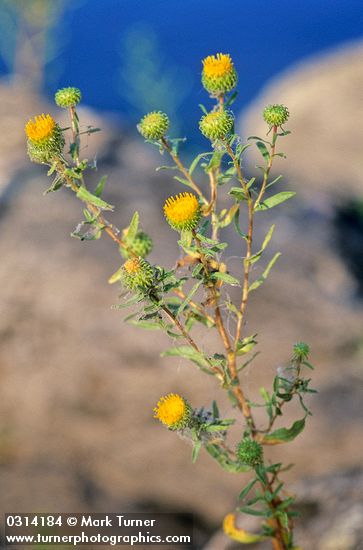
{"points": [[195, 290]]}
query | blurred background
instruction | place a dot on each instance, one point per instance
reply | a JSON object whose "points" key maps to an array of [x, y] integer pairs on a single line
{"points": [[77, 384]]}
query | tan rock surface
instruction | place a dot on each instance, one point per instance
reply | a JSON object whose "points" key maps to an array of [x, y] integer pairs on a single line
{"points": [[324, 96]]}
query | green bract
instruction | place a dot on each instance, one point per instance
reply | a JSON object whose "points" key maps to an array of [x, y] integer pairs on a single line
{"points": [[137, 274], [154, 125], [276, 115], [216, 125], [68, 97], [141, 246], [250, 452]]}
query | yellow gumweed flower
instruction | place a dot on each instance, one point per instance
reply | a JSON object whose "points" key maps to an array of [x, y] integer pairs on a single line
{"points": [[45, 139], [41, 128], [217, 65], [219, 75], [173, 411], [182, 211], [240, 535]]}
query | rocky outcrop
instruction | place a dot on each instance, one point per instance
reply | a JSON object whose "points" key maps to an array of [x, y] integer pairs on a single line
{"points": [[324, 97]]}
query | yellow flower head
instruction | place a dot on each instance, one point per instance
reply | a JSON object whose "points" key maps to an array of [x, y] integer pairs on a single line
{"points": [[182, 211], [132, 266], [41, 128], [217, 65], [45, 139], [219, 75], [173, 411]]}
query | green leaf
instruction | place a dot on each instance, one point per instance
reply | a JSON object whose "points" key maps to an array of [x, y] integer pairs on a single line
{"points": [[246, 345], [229, 216], [166, 168], [222, 458], [263, 150], [100, 186], [226, 278], [116, 276], [265, 274], [251, 511], [232, 99], [247, 489], [286, 434], [183, 181], [277, 179], [221, 426], [215, 409], [236, 225], [52, 169], [196, 161], [56, 184], [187, 352], [148, 325], [88, 197], [131, 301], [279, 198], [259, 139], [238, 193], [184, 304], [267, 239], [133, 227], [196, 450], [246, 363], [215, 161]]}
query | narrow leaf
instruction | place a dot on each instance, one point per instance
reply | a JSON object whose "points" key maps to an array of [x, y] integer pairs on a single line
{"points": [[133, 227], [226, 278], [229, 216], [265, 274], [187, 352], [267, 239], [100, 186], [279, 198], [247, 489], [263, 150], [86, 196], [184, 304], [196, 450], [286, 434]]}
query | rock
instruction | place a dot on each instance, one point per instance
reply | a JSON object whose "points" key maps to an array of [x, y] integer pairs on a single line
{"points": [[324, 97]]}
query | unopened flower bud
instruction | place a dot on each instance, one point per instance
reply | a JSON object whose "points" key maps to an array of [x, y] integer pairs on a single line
{"points": [[154, 125], [68, 97]]}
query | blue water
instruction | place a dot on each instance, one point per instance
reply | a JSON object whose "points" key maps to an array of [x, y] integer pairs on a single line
{"points": [[264, 38]]}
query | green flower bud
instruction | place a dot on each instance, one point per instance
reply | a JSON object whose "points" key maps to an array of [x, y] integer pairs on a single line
{"points": [[276, 115], [154, 125], [219, 75], [141, 246], [68, 97], [300, 351], [137, 274], [45, 139], [250, 452], [216, 125]]}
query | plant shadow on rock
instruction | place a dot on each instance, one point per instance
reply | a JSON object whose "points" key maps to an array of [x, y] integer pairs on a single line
{"points": [[348, 225]]}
